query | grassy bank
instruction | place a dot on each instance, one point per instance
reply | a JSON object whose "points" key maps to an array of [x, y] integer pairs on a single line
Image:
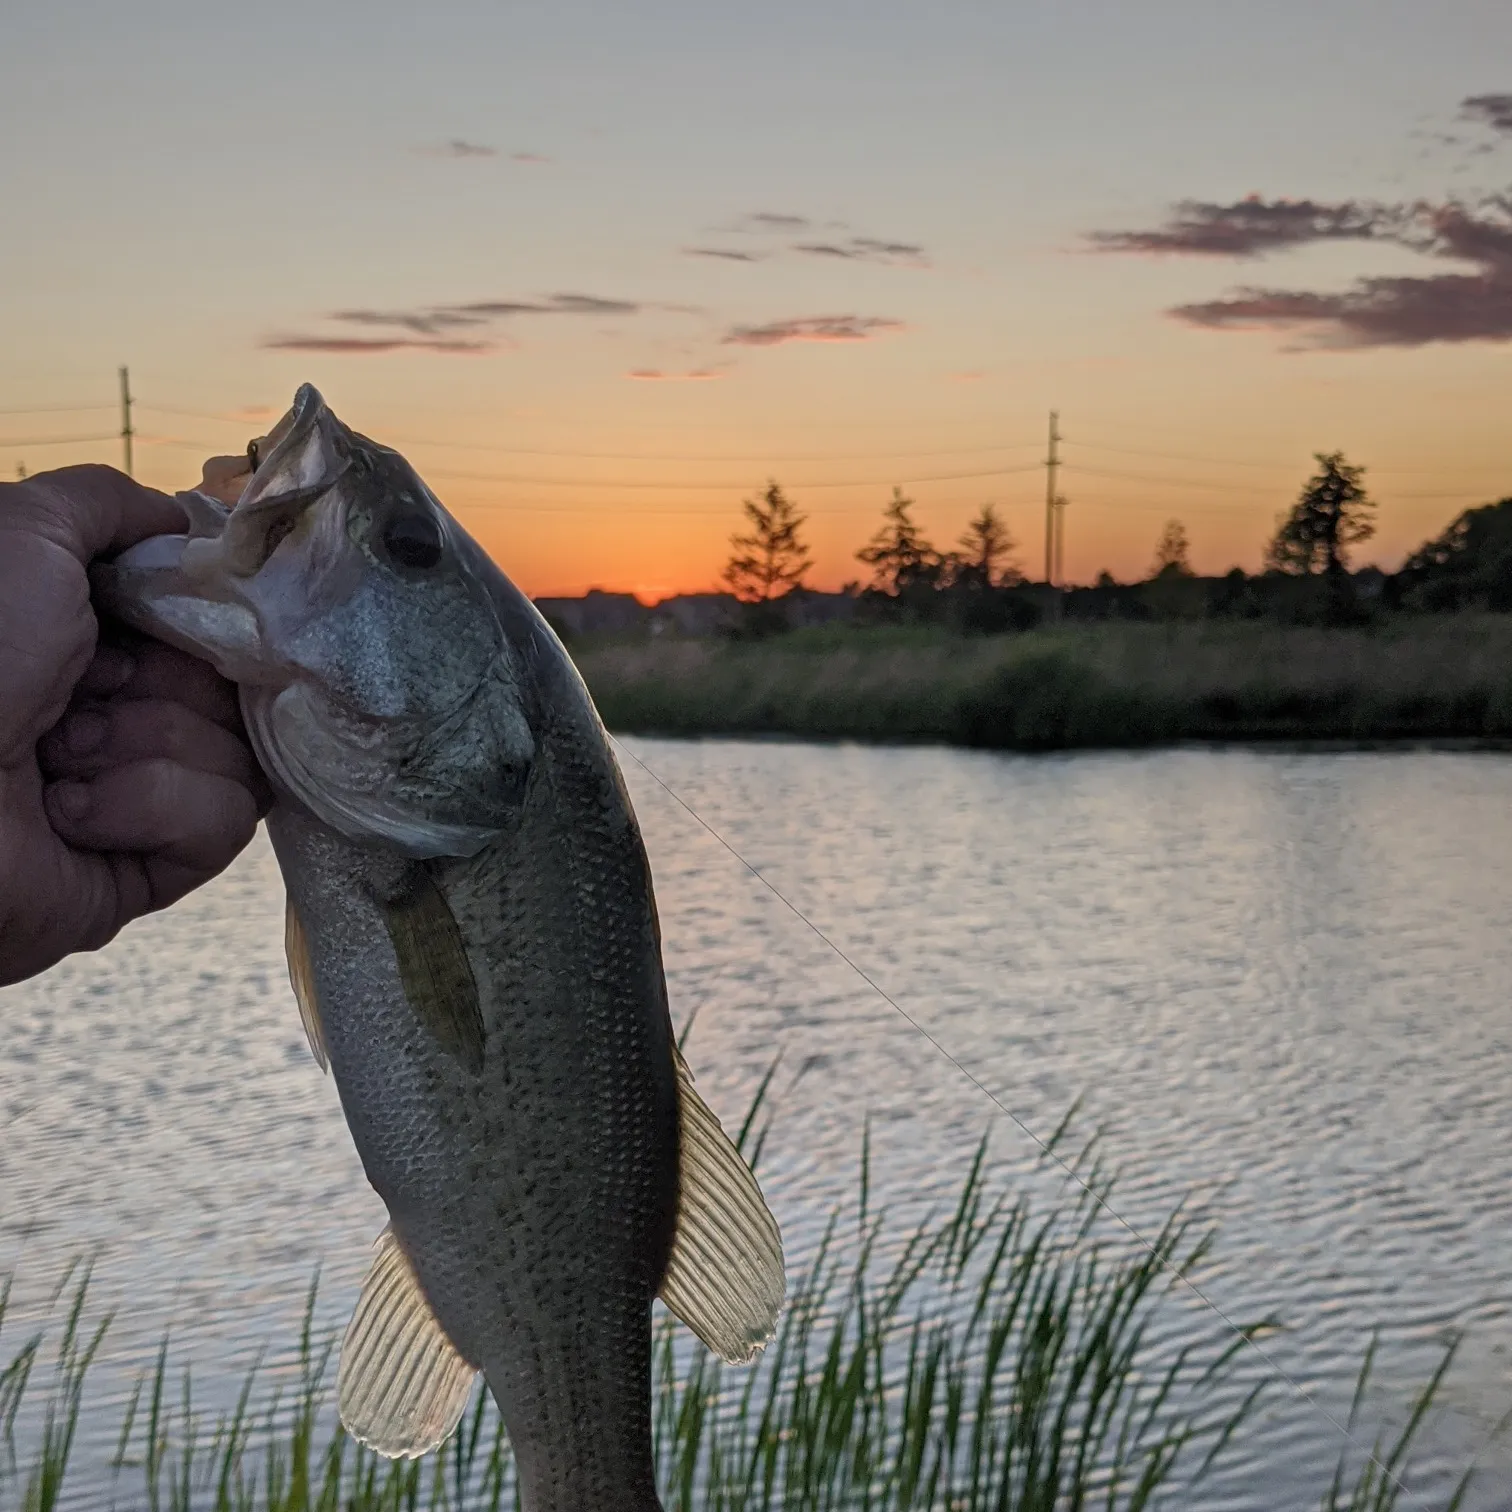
{"points": [[1110, 684], [999, 1362]]}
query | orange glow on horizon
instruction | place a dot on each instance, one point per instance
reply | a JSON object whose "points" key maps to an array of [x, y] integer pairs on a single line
{"points": [[639, 487]]}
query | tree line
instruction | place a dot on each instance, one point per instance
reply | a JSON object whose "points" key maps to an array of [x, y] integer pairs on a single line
{"points": [[978, 585]]}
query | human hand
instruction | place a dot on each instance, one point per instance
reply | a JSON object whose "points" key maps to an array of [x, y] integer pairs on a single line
{"points": [[125, 775]]}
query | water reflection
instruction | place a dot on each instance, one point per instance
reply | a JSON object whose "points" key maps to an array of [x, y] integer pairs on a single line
{"points": [[1278, 982]]}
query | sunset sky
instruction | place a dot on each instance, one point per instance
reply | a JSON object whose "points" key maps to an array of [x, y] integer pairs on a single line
{"points": [[600, 270]]}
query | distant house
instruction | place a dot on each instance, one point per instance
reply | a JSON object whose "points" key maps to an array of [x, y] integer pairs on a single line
{"points": [[690, 614], [597, 613], [694, 614], [806, 606]]}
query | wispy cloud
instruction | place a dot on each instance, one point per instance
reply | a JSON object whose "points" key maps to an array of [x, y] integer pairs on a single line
{"points": [[656, 375], [1375, 312], [1250, 227], [358, 346], [728, 254], [776, 228], [553, 304], [811, 328], [458, 148], [1493, 110], [867, 249], [430, 327], [1403, 311], [421, 322], [768, 220], [538, 158]]}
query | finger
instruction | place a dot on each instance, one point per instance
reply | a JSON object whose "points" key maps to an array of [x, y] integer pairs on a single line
{"points": [[183, 818], [91, 509], [224, 478], [95, 738], [109, 670], [163, 672]]}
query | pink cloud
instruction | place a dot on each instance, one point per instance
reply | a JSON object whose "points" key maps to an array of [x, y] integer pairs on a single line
{"points": [[812, 328], [656, 375], [356, 346]]}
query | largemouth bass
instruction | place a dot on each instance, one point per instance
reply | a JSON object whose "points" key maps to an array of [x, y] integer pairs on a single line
{"points": [[474, 947]]}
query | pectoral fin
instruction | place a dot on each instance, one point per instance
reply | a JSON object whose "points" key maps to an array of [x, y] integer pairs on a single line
{"points": [[434, 970], [402, 1386], [302, 980], [725, 1279]]}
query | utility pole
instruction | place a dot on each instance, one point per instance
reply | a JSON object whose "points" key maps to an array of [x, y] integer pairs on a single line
{"points": [[1052, 464], [126, 431], [1060, 537]]}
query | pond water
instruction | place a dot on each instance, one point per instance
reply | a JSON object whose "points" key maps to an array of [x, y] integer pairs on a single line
{"points": [[1278, 982]]}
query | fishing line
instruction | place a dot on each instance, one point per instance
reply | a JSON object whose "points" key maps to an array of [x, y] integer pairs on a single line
{"points": [[1045, 1149]]}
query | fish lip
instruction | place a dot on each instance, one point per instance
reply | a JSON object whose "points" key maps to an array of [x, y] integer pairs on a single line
{"points": [[305, 463]]}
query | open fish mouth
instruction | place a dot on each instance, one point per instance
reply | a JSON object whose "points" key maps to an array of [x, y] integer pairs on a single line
{"points": [[200, 591]]}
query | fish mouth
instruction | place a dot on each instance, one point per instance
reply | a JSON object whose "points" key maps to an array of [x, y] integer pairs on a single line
{"points": [[302, 459], [215, 590]]}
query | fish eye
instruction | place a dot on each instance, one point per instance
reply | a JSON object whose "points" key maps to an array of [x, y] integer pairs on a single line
{"points": [[413, 540]]}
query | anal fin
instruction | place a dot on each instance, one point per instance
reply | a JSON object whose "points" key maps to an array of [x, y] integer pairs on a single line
{"points": [[402, 1387], [725, 1279], [302, 980]]}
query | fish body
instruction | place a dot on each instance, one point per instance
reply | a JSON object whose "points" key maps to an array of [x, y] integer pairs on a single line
{"points": [[473, 939]]}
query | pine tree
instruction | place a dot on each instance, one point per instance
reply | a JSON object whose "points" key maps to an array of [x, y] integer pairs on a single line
{"points": [[985, 553], [773, 558], [1332, 514], [898, 554]]}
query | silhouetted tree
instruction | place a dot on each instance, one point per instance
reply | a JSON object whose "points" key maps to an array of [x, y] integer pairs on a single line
{"points": [[1332, 514], [985, 556], [898, 555], [773, 558], [1172, 552], [1469, 565]]}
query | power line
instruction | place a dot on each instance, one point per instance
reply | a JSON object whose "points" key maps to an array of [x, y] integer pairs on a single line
{"points": [[1257, 489], [56, 440], [764, 457], [1131, 451], [777, 458], [736, 484], [57, 409], [681, 484], [1102, 472], [195, 414], [575, 453], [509, 506]]}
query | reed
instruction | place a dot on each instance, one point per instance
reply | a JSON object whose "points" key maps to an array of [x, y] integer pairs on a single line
{"points": [[997, 1361], [1108, 684]]}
